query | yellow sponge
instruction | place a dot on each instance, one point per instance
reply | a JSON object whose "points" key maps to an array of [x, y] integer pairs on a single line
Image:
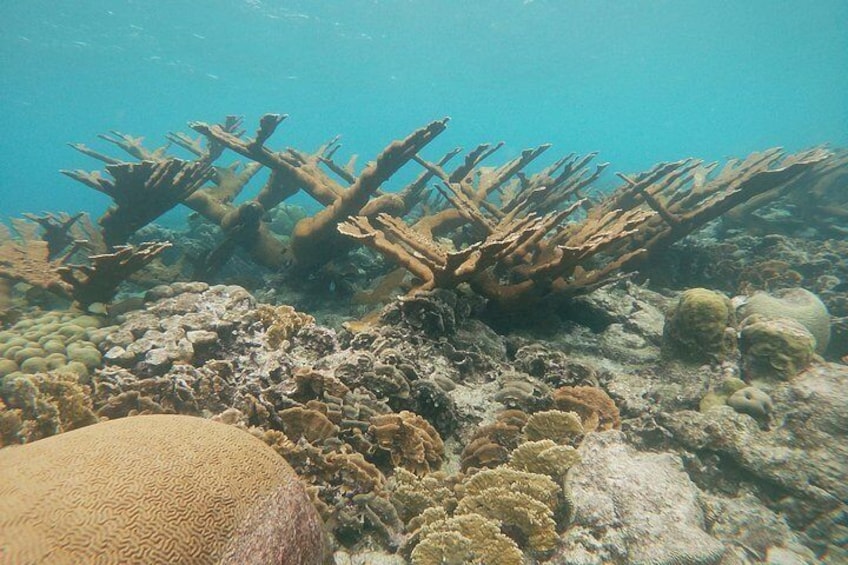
{"points": [[153, 489]]}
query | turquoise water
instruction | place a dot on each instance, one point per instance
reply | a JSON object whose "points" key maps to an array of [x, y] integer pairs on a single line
{"points": [[639, 81]]}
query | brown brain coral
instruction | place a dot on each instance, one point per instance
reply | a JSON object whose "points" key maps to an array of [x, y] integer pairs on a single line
{"points": [[152, 489]]}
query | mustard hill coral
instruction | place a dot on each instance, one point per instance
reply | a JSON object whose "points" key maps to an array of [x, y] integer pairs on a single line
{"points": [[153, 489], [752, 401]]}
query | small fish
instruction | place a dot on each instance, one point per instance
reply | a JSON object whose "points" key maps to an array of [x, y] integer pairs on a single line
{"points": [[213, 77], [81, 43], [198, 36], [139, 28]]}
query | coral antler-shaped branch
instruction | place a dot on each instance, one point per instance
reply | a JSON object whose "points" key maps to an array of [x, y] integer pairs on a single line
{"points": [[312, 235], [99, 281], [686, 197], [312, 240], [29, 261], [57, 230], [529, 256], [142, 192]]}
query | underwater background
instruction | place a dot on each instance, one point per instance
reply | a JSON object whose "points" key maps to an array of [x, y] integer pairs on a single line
{"points": [[639, 81], [612, 331]]}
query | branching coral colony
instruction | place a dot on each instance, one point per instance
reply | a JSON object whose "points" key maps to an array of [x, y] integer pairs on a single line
{"points": [[515, 237]]}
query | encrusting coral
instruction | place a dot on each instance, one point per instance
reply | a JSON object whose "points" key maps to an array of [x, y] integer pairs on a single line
{"points": [[42, 405], [281, 322], [469, 538], [544, 457], [154, 489], [561, 427]]}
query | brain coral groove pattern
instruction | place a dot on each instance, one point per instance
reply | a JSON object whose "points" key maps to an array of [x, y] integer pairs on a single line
{"points": [[150, 489]]}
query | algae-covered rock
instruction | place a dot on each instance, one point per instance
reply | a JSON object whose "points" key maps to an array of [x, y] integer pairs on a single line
{"points": [[797, 304], [777, 348], [700, 326], [803, 455], [154, 489]]}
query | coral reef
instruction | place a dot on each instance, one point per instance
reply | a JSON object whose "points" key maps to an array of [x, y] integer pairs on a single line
{"points": [[42, 405], [395, 421], [365, 418], [155, 489]]}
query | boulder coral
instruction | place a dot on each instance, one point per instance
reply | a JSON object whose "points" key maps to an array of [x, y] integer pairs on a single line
{"points": [[699, 327], [154, 489], [774, 348]]}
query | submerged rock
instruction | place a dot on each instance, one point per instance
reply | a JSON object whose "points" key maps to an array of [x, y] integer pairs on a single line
{"points": [[632, 507]]}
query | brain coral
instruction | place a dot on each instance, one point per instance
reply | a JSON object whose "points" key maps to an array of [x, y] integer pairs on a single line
{"points": [[153, 489], [796, 303]]}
